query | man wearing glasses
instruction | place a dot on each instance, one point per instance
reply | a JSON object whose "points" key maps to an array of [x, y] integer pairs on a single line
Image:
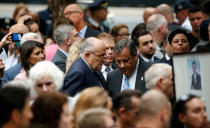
{"points": [[75, 13], [83, 72]]}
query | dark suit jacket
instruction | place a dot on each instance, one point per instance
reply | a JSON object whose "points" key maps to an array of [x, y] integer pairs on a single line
{"points": [[101, 77], [60, 60], [196, 84], [11, 73], [79, 77], [114, 79], [91, 33]]}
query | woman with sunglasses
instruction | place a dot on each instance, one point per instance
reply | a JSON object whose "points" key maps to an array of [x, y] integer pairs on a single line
{"points": [[189, 112]]}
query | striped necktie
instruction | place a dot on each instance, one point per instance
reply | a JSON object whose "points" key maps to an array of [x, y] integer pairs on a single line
{"points": [[125, 84]]}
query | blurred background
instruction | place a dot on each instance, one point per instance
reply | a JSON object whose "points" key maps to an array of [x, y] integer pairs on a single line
{"points": [[120, 11]]}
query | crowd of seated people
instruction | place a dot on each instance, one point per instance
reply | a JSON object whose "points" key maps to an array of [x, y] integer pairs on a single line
{"points": [[82, 73]]}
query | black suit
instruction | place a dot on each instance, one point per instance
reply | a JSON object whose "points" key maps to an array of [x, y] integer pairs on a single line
{"points": [[114, 79], [91, 33], [196, 81]]}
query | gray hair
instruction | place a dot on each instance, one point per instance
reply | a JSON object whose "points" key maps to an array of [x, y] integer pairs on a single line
{"points": [[93, 118], [62, 32], [155, 72], [31, 36], [41, 69], [128, 43], [87, 45], [155, 21]]}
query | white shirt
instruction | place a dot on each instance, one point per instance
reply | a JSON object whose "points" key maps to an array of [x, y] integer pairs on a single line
{"points": [[82, 32], [105, 73], [65, 53], [158, 52], [132, 78], [186, 24], [10, 61]]}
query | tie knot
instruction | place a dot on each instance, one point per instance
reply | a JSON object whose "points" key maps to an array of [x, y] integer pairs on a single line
{"points": [[107, 69]]}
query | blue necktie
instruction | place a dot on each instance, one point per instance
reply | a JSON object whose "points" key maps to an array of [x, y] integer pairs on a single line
{"points": [[125, 84]]}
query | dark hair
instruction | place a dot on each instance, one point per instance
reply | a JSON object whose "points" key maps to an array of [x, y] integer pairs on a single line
{"points": [[11, 98], [204, 35], [114, 31], [138, 34], [128, 43], [139, 27], [123, 99], [194, 9], [180, 107], [26, 50], [175, 32], [47, 109], [205, 6]]}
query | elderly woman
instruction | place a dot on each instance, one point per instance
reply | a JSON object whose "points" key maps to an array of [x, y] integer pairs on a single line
{"points": [[45, 77], [119, 32], [51, 109], [189, 112], [31, 52]]}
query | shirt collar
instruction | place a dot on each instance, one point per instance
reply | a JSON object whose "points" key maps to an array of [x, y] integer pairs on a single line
{"points": [[87, 64], [92, 21], [65, 53], [82, 31]]}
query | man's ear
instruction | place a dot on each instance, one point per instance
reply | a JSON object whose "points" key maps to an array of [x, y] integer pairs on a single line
{"points": [[15, 116], [160, 84], [122, 112], [160, 29], [87, 55], [182, 117]]}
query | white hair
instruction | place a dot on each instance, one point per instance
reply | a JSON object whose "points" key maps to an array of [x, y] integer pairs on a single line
{"points": [[155, 72], [31, 36], [42, 68], [155, 21], [87, 45]]}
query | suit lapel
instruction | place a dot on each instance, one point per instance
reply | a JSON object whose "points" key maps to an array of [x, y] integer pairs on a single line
{"points": [[61, 54]]}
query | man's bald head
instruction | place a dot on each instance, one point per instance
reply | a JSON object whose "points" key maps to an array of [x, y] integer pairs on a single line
{"points": [[149, 100], [167, 11], [75, 13], [19, 28], [148, 12]]}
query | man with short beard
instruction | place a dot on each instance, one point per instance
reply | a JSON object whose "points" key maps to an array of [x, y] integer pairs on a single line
{"points": [[145, 46]]}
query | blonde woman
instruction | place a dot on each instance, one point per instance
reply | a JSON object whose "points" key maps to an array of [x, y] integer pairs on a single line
{"points": [[74, 53], [90, 98]]}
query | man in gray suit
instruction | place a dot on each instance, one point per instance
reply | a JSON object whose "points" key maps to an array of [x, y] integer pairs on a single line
{"points": [[130, 74], [64, 35]]}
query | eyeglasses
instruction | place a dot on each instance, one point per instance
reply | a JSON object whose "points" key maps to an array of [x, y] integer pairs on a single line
{"points": [[99, 56], [71, 12], [124, 34]]}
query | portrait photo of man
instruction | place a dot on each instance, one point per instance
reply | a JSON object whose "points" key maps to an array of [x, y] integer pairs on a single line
{"points": [[196, 78]]}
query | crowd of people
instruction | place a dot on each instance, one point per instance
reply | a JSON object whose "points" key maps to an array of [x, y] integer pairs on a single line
{"points": [[83, 74]]}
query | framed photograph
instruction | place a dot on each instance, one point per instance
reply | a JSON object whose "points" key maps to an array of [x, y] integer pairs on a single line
{"points": [[192, 75]]}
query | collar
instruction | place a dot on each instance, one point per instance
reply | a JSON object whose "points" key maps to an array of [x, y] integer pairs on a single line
{"points": [[92, 21], [65, 53], [104, 67], [167, 57], [147, 60], [82, 31], [87, 64]]}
